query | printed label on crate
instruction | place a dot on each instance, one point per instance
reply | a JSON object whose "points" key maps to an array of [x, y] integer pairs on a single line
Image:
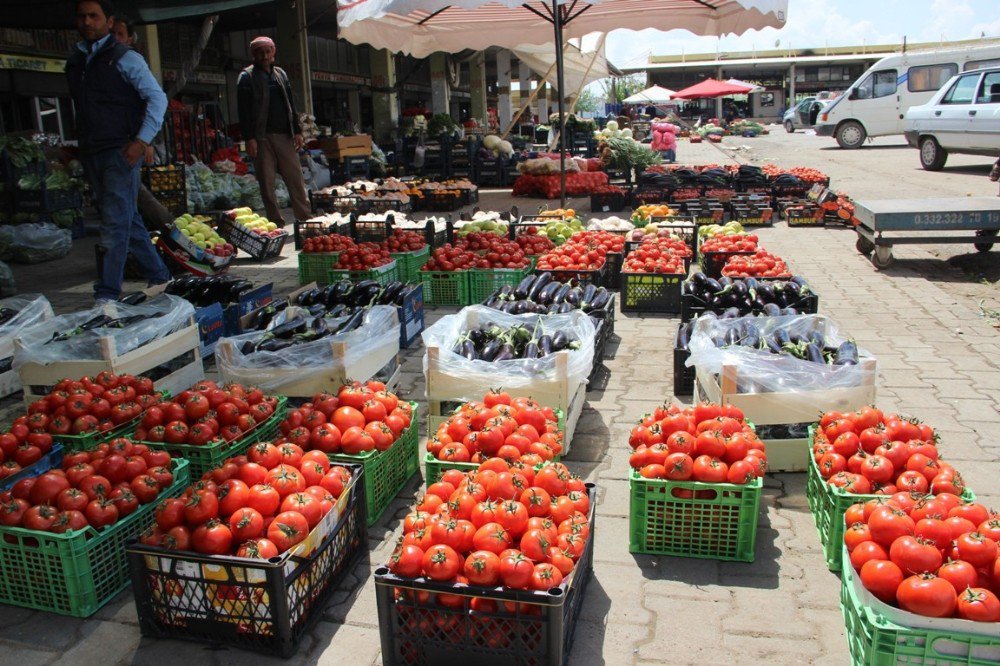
{"points": [[413, 327]]}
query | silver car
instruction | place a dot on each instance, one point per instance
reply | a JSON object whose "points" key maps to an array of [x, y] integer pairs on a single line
{"points": [[803, 115]]}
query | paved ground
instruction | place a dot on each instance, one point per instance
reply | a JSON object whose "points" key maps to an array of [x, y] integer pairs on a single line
{"points": [[937, 360]]}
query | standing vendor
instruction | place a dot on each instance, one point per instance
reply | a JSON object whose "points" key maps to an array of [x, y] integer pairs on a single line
{"points": [[119, 109], [271, 130]]}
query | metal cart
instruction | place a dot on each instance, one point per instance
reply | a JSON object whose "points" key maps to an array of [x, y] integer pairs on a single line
{"points": [[902, 217]]}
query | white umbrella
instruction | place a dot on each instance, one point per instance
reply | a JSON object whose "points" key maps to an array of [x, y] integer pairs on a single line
{"points": [[654, 95], [422, 27], [579, 68]]}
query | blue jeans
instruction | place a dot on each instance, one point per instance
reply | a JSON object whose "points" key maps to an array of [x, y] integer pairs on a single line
{"points": [[669, 155], [115, 186]]}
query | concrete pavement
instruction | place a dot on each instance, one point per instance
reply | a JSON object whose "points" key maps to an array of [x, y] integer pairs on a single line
{"points": [[937, 358]]}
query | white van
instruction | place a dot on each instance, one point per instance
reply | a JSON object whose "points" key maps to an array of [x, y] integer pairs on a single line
{"points": [[876, 103]]}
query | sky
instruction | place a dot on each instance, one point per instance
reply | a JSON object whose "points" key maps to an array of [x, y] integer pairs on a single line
{"points": [[818, 23]]}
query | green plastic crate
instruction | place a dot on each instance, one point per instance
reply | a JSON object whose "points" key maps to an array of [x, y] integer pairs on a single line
{"points": [[445, 287], [315, 266], [482, 283], [409, 263], [89, 440], [381, 274], [828, 505], [77, 572], [210, 456], [386, 472], [878, 634], [670, 518]]}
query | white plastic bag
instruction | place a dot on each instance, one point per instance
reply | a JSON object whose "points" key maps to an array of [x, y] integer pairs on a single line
{"points": [[32, 310], [761, 371], [378, 336], [34, 243], [162, 316], [516, 374]]}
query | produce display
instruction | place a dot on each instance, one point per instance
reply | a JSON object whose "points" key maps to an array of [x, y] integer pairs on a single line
{"points": [[358, 419], [586, 250], [643, 215], [206, 414], [257, 224], [101, 403], [936, 557], [728, 229], [658, 255], [450, 257], [739, 242], [610, 224], [286, 331], [493, 251], [488, 225], [560, 229], [805, 174], [342, 298], [202, 291], [760, 264], [364, 257], [327, 243], [578, 183], [94, 488], [708, 443], [813, 347], [255, 506], [202, 234], [869, 452], [517, 528], [494, 344], [518, 431], [540, 294], [534, 244], [735, 297], [405, 241]]}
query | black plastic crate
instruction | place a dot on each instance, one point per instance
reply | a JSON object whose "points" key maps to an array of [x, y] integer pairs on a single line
{"points": [[505, 626], [302, 231], [46, 200], [493, 172], [613, 271], [261, 605], [469, 196], [651, 292], [601, 337], [683, 376], [257, 246], [332, 203], [643, 196], [442, 202], [370, 231], [595, 277], [712, 262], [610, 202], [175, 202], [164, 178]]}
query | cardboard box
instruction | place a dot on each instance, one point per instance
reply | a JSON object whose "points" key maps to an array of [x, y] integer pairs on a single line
{"points": [[211, 327], [338, 148]]}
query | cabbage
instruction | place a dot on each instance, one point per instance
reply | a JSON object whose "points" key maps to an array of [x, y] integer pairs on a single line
{"points": [[606, 133], [627, 133], [612, 125], [506, 148], [491, 141]]}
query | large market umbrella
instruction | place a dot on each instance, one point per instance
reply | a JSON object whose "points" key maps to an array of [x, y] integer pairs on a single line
{"points": [[654, 95], [754, 88], [422, 27], [713, 88]]}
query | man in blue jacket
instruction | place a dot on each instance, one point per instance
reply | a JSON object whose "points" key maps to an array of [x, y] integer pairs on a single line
{"points": [[119, 109]]}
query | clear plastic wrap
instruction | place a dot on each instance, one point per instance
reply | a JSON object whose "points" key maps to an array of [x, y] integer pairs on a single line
{"points": [[377, 337], [38, 346], [32, 309], [516, 374], [761, 371], [34, 243]]}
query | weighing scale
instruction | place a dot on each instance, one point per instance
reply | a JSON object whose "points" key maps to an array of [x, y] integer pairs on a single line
{"points": [[902, 217]]}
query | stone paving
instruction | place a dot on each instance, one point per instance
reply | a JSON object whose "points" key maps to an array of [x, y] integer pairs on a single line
{"points": [[937, 360]]}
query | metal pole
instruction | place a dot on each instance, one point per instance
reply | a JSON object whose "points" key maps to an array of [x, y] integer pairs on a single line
{"points": [[557, 23]]}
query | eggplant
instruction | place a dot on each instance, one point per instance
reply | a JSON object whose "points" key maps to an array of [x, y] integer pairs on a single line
{"points": [[847, 354], [289, 328], [726, 281], [307, 297], [338, 310], [247, 348], [316, 310], [751, 336], [766, 291], [134, 298], [546, 294], [390, 293], [684, 335], [770, 310], [772, 345], [524, 287], [543, 279], [601, 300], [506, 353], [732, 337], [544, 345], [699, 279], [788, 312], [563, 308], [560, 341], [353, 322], [574, 296], [817, 338], [712, 286], [814, 354], [530, 350], [490, 350], [560, 294], [781, 337], [730, 313], [273, 345]]}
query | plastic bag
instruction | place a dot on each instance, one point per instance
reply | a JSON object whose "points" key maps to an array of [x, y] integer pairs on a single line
{"points": [[761, 371], [518, 374], [38, 346], [7, 286], [378, 335], [281, 192], [41, 241], [32, 309]]}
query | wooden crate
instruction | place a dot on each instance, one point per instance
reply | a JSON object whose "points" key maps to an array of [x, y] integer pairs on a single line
{"points": [[784, 455], [178, 352], [10, 381]]}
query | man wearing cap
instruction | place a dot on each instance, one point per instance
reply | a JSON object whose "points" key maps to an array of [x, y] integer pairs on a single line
{"points": [[271, 129]]}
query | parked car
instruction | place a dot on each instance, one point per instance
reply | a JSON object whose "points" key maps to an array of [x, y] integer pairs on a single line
{"points": [[963, 117], [803, 115]]}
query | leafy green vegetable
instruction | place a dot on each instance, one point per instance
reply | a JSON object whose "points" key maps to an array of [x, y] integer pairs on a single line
{"points": [[626, 153]]}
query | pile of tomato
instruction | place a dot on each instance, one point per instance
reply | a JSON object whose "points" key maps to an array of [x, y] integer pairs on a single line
{"points": [[405, 241], [79, 406], [658, 255], [518, 430], [328, 243], [934, 556], [93, 488], [869, 452], [360, 418], [534, 244], [584, 251], [730, 243], [206, 414], [806, 174], [519, 528], [256, 506], [449, 258], [708, 442], [759, 264], [363, 257], [493, 251]]}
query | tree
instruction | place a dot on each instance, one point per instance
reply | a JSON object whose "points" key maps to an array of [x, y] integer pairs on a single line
{"points": [[587, 102], [617, 88]]}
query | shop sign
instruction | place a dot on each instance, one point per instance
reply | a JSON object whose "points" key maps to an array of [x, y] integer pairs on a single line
{"points": [[199, 77], [331, 77], [32, 64]]}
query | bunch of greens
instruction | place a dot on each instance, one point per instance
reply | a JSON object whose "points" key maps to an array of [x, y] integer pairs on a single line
{"points": [[626, 154]]}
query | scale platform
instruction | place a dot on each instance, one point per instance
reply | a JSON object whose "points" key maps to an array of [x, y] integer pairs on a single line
{"points": [[887, 222]]}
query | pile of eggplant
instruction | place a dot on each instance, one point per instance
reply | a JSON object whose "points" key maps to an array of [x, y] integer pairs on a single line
{"points": [[540, 294], [790, 181], [6, 314], [496, 343], [737, 297], [813, 347], [101, 321], [200, 291], [283, 332], [341, 299]]}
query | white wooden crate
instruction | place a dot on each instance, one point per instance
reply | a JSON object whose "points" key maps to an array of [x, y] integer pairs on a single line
{"points": [[179, 350], [10, 381], [784, 455]]}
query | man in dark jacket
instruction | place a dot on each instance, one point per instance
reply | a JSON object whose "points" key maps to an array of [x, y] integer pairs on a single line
{"points": [[119, 109], [271, 129]]}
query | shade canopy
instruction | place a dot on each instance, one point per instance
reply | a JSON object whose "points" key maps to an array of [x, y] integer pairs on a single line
{"points": [[60, 13], [579, 68], [421, 27], [712, 88], [754, 88], [654, 95]]}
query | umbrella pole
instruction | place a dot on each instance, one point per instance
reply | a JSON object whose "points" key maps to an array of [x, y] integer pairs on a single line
{"points": [[557, 24]]}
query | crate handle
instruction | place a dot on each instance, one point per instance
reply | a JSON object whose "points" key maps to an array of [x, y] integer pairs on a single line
{"points": [[686, 493]]}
